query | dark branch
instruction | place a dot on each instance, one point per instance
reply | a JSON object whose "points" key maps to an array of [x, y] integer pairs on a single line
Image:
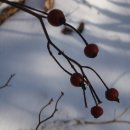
{"points": [[7, 82], [41, 121], [75, 65]]}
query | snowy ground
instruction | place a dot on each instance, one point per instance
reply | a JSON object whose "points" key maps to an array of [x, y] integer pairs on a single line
{"points": [[38, 78]]}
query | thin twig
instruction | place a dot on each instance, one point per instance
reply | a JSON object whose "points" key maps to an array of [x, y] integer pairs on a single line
{"points": [[40, 15], [41, 121], [121, 114], [88, 67], [7, 82], [80, 122], [51, 100], [85, 41], [95, 96], [85, 101]]}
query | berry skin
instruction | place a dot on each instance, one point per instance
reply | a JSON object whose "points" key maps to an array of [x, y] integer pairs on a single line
{"points": [[76, 79], [56, 17], [96, 111], [112, 94], [91, 50]]}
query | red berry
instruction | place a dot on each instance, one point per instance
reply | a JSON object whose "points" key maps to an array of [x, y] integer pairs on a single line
{"points": [[91, 50], [96, 111], [76, 79], [112, 94], [56, 17]]}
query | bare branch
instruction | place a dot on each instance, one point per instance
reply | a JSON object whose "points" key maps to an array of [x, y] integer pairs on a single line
{"points": [[8, 81], [41, 121], [82, 122], [121, 114], [75, 65], [51, 100]]}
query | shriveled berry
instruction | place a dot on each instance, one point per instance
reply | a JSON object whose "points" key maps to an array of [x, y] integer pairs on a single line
{"points": [[91, 50], [56, 17], [112, 94], [96, 111], [76, 79]]}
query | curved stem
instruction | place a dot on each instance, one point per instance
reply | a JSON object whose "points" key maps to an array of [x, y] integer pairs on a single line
{"points": [[95, 96], [51, 100], [86, 43], [20, 7], [37, 10], [7, 82], [72, 66], [60, 52], [48, 46], [97, 75], [39, 14], [55, 110], [68, 59]]}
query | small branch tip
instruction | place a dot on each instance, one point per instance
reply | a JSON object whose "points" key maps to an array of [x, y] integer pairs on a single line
{"points": [[62, 93]]}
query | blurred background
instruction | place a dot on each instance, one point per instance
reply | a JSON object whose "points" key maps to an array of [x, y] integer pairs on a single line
{"points": [[23, 51]]}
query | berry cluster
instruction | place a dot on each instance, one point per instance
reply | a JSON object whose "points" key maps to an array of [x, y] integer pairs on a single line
{"points": [[78, 79], [111, 94], [57, 18]]}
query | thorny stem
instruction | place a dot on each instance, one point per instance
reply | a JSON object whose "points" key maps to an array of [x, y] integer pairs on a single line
{"points": [[55, 110], [8, 81]]}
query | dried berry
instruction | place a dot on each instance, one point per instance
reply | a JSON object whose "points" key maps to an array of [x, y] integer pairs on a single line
{"points": [[96, 111], [67, 31], [56, 17], [81, 27], [76, 79], [48, 5], [91, 50], [112, 94]]}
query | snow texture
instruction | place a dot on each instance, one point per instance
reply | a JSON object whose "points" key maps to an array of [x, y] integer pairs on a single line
{"points": [[38, 78]]}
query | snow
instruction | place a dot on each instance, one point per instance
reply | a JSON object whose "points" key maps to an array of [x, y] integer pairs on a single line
{"points": [[38, 78]]}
